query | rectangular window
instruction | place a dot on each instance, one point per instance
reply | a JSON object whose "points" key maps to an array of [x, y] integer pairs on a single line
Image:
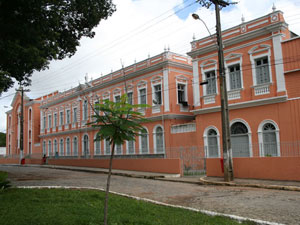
{"points": [[143, 99], [157, 94], [61, 118], [55, 119], [44, 122], [130, 149], [74, 115], [49, 121], [210, 77], [235, 77], [117, 98], [97, 111], [118, 149], [68, 116], [262, 70], [181, 93], [130, 98], [85, 110]]}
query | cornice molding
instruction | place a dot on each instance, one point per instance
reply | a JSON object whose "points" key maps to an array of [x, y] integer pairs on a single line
{"points": [[254, 103]]}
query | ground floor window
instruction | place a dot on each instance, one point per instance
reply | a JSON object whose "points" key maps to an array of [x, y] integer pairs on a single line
{"points": [[239, 140]]}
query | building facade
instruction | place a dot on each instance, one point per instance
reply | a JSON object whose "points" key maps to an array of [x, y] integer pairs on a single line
{"points": [[262, 73]]}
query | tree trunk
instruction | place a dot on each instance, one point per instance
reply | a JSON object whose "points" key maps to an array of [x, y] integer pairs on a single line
{"points": [[108, 183]]}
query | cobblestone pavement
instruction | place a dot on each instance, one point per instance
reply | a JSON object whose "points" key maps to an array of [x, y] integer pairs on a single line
{"points": [[271, 205]]}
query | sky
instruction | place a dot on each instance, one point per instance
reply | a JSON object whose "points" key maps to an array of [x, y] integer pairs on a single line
{"points": [[142, 28]]}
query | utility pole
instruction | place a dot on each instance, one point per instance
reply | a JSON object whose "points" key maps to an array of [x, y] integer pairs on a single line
{"points": [[21, 89], [227, 151]]}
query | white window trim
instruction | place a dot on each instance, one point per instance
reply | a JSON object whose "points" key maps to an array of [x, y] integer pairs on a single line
{"points": [[61, 153], [131, 91], [57, 147], [66, 121], [49, 149], [154, 139], [205, 139], [72, 148], [185, 90], [55, 125], [116, 92], [105, 145], [153, 92], [116, 150], [127, 148], [61, 122], [253, 58], [249, 133], [260, 137], [207, 66], [87, 111], [142, 85], [82, 144], [227, 65], [95, 145], [140, 143], [29, 140]]}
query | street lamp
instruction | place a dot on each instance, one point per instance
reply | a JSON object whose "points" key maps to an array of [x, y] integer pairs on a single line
{"points": [[227, 151]]}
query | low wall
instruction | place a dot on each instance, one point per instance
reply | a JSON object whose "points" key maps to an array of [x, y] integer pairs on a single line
{"points": [[9, 160], [272, 168], [146, 165]]}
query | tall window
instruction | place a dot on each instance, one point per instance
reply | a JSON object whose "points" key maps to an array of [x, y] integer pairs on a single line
{"points": [[44, 122], [181, 93], [130, 98], [97, 111], [159, 139], [144, 142], [74, 115], [86, 145], [55, 119], [270, 140], [49, 148], [117, 98], [44, 147], [210, 77], [143, 96], [68, 116], [157, 94], [49, 121], [97, 147], [61, 147], [240, 140], [75, 146], [212, 141], [68, 146], [262, 70], [55, 147], [85, 110], [235, 77], [130, 147], [61, 118], [107, 147]]}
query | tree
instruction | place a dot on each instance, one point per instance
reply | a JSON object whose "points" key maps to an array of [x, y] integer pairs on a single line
{"points": [[35, 32], [120, 122]]}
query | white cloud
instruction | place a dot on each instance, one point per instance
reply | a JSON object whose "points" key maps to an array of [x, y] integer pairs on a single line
{"points": [[136, 30]]}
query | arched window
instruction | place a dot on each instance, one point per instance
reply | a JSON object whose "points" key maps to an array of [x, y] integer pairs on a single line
{"points": [[86, 145], [159, 140], [239, 140], [68, 146], [61, 147], [269, 140], [212, 143], [144, 142], [49, 148], [97, 146], [75, 146], [55, 147]]}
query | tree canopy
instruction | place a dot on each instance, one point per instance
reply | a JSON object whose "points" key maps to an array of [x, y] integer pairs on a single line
{"points": [[35, 32], [2, 139]]}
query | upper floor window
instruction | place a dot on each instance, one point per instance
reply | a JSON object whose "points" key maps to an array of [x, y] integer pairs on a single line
{"points": [[262, 70], [96, 109], [68, 116], [44, 122], [85, 110], [74, 115], [49, 121], [130, 98], [55, 119], [117, 98], [181, 92], [143, 96], [61, 118], [157, 94], [210, 77], [235, 77]]}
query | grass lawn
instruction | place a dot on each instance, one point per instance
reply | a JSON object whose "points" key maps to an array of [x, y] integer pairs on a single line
{"points": [[61, 206]]}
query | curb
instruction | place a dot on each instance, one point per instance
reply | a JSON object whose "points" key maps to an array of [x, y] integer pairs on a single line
{"points": [[206, 212], [274, 187]]}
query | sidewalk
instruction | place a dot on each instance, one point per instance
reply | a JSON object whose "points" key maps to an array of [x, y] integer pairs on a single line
{"points": [[201, 180]]}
